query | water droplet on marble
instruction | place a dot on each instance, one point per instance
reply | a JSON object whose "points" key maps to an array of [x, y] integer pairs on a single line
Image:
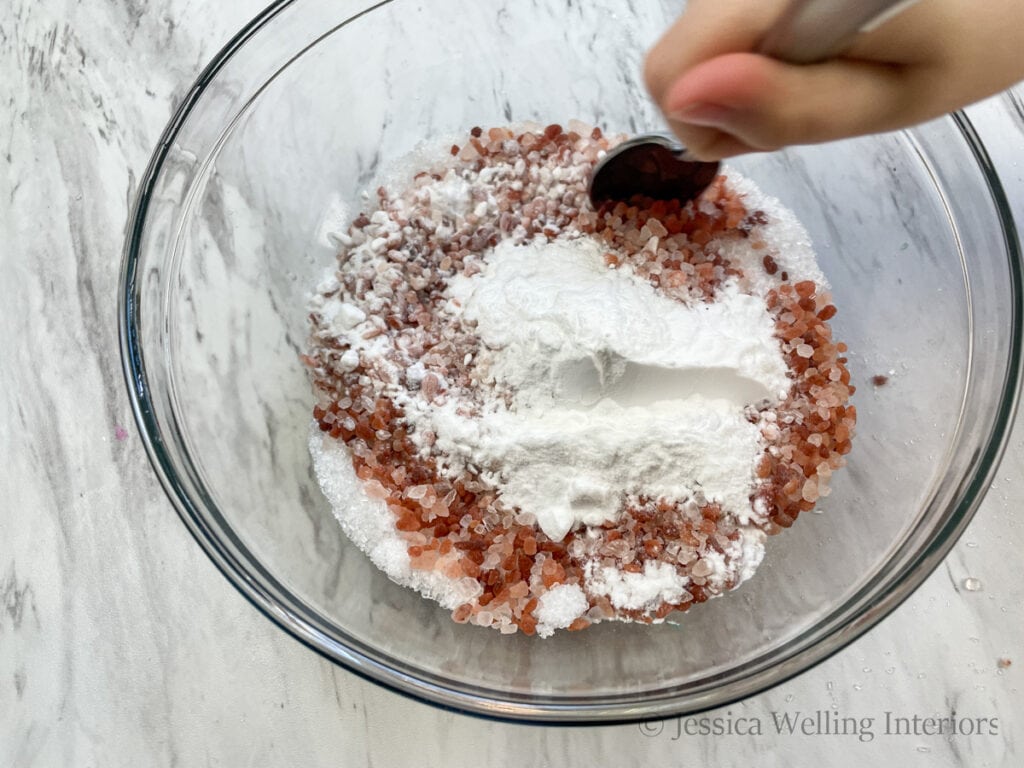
{"points": [[789, 697], [829, 685], [971, 544], [924, 749], [890, 670], [972, 584]]}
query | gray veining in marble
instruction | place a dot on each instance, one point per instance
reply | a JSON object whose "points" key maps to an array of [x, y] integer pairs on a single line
{"points": [[121, 644]]}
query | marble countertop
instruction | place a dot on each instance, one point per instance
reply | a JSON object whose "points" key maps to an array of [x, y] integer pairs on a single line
{"points": [[122, 645]]}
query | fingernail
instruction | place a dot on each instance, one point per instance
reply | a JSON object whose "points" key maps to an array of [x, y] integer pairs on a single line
{"points": [[704, 114]]}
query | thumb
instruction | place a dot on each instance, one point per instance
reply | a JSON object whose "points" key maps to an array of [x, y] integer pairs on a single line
{"points": [[742, 102]]}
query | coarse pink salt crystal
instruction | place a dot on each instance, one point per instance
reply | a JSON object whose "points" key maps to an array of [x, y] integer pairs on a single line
{"points": [[810, 490], [375, 490], [701, 569], [416, 492]]}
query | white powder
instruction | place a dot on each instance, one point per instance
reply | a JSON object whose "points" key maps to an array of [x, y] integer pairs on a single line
{"points": [[638, 393], [570, 327]]}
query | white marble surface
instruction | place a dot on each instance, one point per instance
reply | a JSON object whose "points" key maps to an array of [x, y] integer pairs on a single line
{"points": [[121, 644]]}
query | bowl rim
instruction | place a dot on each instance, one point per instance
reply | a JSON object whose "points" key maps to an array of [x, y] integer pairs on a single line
{"points": [[846, 629]]}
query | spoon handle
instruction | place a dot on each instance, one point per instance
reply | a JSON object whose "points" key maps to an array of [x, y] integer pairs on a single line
{"points": [[810, 31]]}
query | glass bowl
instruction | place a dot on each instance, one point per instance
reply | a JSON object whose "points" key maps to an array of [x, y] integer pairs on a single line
{"points": [[279, 138]]}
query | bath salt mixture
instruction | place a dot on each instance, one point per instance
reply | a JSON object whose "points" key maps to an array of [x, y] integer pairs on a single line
{"points": [[542, 415]]}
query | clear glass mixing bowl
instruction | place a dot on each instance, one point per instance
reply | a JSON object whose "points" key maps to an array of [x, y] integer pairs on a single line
{"points": [[283, 132]]}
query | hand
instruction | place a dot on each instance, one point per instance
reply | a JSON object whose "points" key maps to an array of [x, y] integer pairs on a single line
{"points": [[723, 100]]}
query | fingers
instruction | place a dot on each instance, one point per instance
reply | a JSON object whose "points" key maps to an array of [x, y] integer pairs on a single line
{"points": [[707, 29], [742, 102], [723, 100]]}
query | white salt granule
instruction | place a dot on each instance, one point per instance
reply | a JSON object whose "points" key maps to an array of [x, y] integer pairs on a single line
{"points": [[349, 360], [559, 607], [452, 197], [657, 582], [342, 316]]}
